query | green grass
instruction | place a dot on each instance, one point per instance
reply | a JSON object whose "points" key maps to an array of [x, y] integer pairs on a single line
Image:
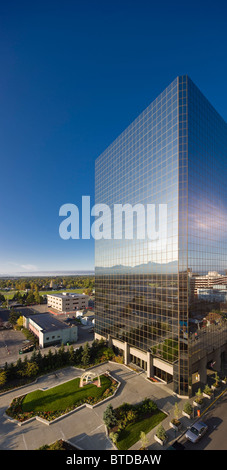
{"points": [[63, 396], [131, 434], [10, 294]]}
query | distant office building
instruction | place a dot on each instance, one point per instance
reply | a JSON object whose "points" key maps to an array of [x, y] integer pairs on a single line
{"points": [[49, 330], [212, 295], [206, 281], [174, 153], [67, 302]]}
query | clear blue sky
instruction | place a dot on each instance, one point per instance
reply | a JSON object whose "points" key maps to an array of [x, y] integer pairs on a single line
{"points": [[74, 75]]}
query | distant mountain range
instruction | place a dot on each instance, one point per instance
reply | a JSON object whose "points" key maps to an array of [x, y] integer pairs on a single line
{"points": [[48, 273], [150, 267]]}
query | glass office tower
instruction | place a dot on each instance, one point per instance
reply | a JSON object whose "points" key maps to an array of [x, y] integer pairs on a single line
{"points": [[161, 300]]}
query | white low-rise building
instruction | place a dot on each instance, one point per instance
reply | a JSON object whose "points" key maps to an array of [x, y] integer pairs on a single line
{"points": [[88, 319], [49, 330], [67, 302]]}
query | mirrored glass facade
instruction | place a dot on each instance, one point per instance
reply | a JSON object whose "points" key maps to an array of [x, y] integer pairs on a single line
{"points": [[207, 235], [149, 295]]}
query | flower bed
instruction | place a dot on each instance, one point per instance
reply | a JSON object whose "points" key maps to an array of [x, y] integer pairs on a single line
{"points": [[132, 419]]}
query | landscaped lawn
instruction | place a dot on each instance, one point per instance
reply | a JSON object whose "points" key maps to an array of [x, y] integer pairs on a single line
{"points": [[10, 294], [63, 396], [131, 434]]}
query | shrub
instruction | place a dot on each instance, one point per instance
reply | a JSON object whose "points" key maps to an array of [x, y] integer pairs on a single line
{"points": [[144, 440], [147, 405], [108, 354], [161, 433], [131, 416], [114, 437], [188, 408], [109, 416], [207, 390], [217, 380], [176, 411], [118, 359]]}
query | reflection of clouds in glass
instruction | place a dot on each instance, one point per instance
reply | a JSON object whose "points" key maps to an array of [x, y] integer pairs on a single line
{"points": [[207, 217]]}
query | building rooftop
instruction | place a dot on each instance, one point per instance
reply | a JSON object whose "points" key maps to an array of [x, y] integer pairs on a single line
{"points": [[48, 323], [67, 294]]}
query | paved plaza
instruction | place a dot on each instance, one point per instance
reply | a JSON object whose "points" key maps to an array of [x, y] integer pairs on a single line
{"points": [[85, 427]]}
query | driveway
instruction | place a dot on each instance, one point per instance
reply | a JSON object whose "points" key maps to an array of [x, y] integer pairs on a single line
{"points": [[216, 419], [85, 427]]}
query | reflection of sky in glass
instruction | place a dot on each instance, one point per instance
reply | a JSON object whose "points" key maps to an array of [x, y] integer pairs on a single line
{"points": [[141, 166], [207, 189]]}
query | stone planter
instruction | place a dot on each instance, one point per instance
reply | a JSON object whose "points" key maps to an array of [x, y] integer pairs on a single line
{"points": [[160, 441], [207, 396], [199, 405], [187, 415], [215, 388], [175, 426]]}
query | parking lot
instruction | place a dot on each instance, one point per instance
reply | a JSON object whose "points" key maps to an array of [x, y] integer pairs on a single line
{"points": [[10, 343]]}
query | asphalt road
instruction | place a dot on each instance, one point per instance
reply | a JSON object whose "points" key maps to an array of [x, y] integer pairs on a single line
{"points": [[216, 436]]}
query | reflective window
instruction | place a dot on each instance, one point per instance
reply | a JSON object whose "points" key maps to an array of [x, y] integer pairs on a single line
{"points": [[172, 300]]}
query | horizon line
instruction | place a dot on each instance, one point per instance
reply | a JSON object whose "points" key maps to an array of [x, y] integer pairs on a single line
{"points": [[57, 272]]}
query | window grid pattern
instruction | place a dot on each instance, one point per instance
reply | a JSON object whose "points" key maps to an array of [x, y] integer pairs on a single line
{"points": [[136, 288], [171, 302]]}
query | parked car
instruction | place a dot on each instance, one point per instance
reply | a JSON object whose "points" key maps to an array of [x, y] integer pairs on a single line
{"points": [[196, 431]]}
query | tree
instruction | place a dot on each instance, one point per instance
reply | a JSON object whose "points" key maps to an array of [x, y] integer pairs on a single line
{"points": [[78, 355], [2, 298], [20, 322], [19, 364], [161, 433], [217, 379], [108, 354], [71, 355], [109, 416], [176, 411], [50, 359], [13, 317], [86, 356], [3, 377], [31, 369], [188, 408], [33, 356], [18, 296], [30, 298], [199, 394], [39, 359], [144, 440], [37, 297]]}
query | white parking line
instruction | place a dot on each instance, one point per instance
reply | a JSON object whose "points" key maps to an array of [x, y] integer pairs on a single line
{"points": [[90, 432], [26, 447], [101, 425]]}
